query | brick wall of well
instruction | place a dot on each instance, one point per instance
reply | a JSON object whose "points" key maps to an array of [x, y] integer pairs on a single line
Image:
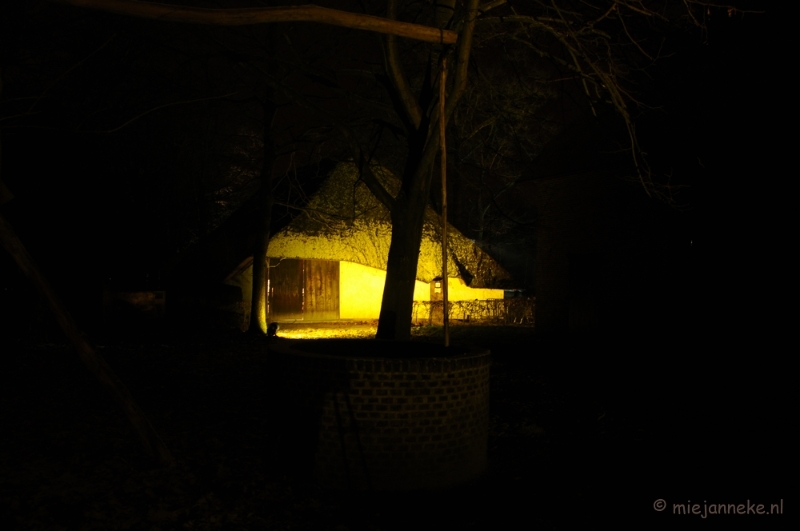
{"points": [[387, 424]]}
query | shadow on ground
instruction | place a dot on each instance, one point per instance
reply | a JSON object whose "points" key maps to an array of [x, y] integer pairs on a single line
{"points": [[583, 435]]}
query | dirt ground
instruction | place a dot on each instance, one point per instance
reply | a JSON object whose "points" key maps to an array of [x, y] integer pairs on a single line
{"points": [[583, 435]]}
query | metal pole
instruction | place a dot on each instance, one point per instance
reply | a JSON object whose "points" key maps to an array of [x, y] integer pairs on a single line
{"points": [[443, 148]]}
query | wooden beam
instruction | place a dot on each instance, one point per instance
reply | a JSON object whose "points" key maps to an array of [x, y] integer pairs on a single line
{"points": [[443, 171], [268, 15]]}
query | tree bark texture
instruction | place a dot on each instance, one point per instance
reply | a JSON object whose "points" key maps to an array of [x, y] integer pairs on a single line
{"points": [[258, 304], [258, 308], [397, 304], [409, 207], [265, 15], [93, 361]]}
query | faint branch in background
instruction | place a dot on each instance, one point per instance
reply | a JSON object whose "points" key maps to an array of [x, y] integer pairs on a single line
{"points": [[317, 213], [583, 34], [162, 107], [490, 5], [9, 100], [336, 124], [30, 111], [73, 67], [20, 115], [630, 38], [299, 65]]}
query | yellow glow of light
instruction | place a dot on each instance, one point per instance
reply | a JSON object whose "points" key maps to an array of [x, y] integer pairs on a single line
{"points": [[361, 291], [459, 291], [365, 332]]}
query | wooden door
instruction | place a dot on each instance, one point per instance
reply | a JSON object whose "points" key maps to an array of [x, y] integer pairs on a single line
{"points": [[303, 290], [285, 289], [321, 290]]}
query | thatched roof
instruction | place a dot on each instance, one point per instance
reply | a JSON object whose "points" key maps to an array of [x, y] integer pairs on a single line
{"points": [[344, 221]]}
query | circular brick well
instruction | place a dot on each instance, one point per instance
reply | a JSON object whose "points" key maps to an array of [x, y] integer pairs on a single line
{"points": [[374, 415]]}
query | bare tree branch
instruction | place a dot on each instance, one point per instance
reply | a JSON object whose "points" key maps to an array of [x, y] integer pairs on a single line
{"points": [[73, 67], [398, 77], [145, 113], [491, 5], [267, 15], [367, 174], [462, 58]]}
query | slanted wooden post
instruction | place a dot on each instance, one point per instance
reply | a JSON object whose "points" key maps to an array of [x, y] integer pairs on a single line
{"points": [[443, 148], [265, 15], [93, 361]]}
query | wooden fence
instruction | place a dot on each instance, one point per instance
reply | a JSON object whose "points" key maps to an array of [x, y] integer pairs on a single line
{"points": [[517, 311]]}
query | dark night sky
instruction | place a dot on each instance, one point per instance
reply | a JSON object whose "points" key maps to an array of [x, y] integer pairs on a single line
{"points": [[80, 201], [85, 207]]}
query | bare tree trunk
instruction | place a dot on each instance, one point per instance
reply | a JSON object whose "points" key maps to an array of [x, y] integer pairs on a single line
{"points": [[258, 308], [409, 207], [93, 361], [401, 271]]}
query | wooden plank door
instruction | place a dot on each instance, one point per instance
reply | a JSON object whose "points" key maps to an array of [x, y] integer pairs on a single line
{"points": [[321, 290], [285, 289]]}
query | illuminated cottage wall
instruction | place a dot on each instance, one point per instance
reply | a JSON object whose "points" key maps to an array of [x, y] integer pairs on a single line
{"points": [[361, 290], [457, 290], [344, 223]]}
